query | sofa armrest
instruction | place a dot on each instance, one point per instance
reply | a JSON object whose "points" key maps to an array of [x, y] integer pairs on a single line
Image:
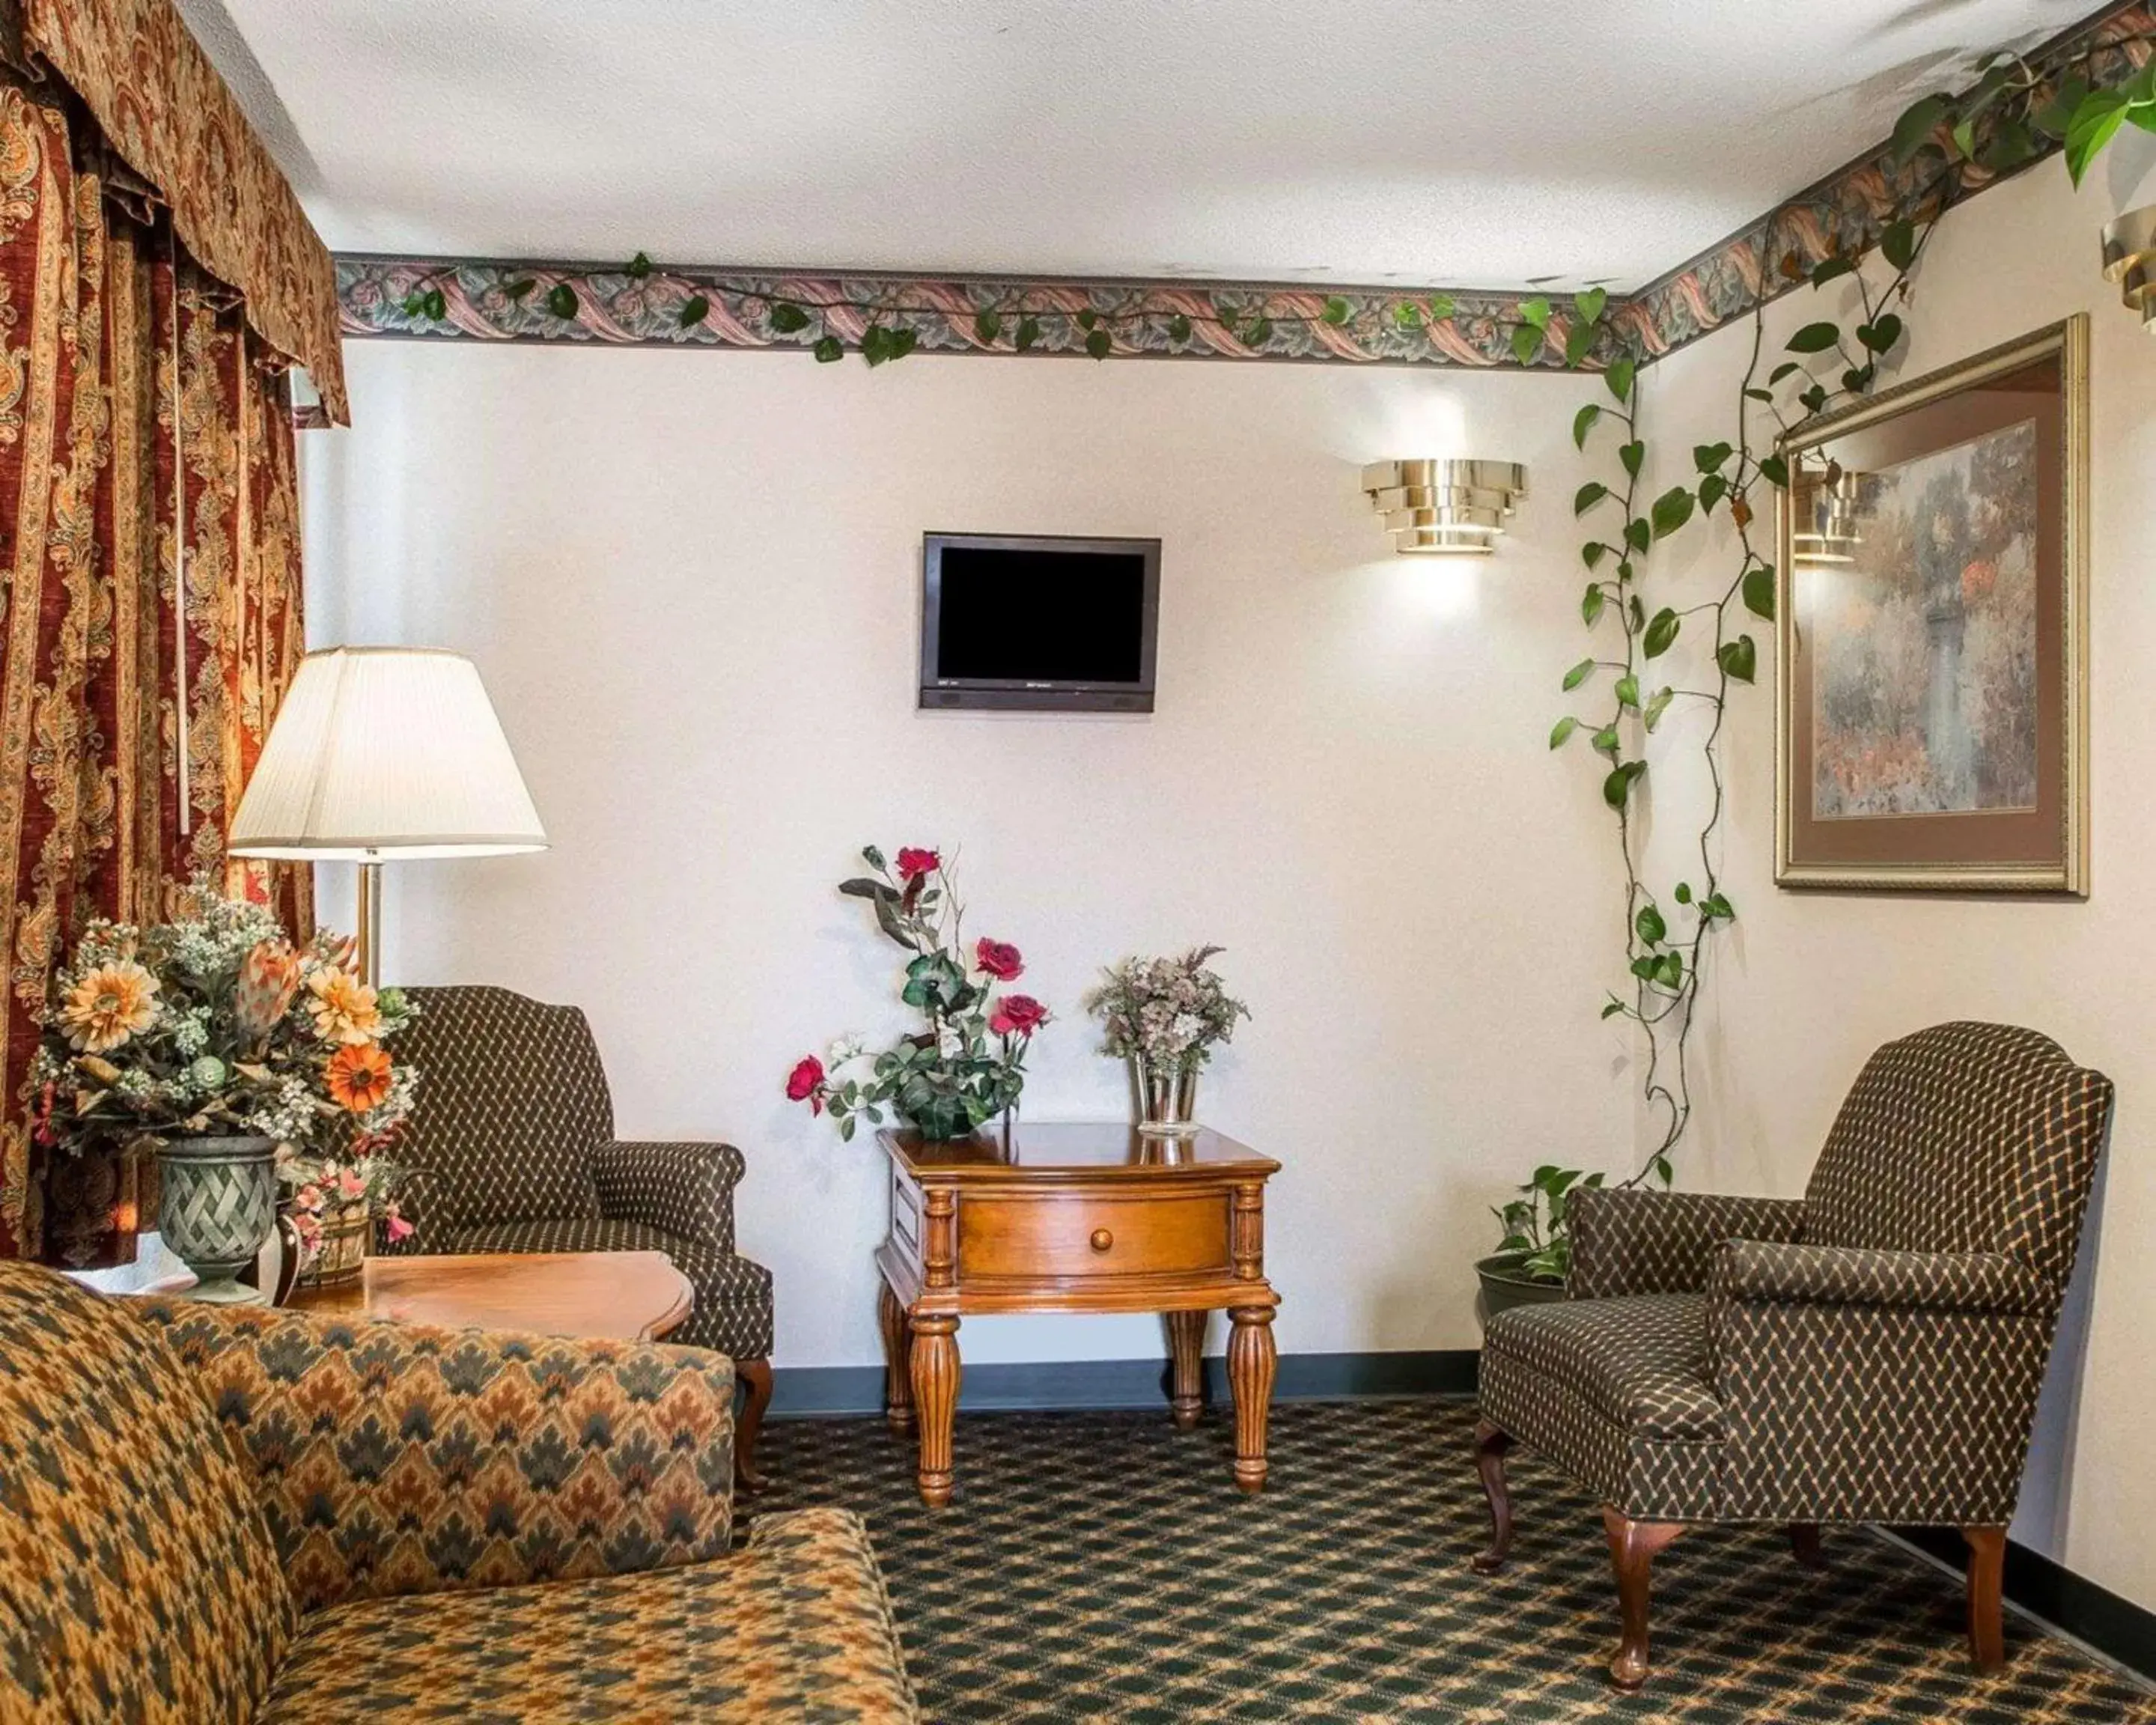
{"points": [[1750, 1270], [686, 1189], [1635, 1242], [394, 1458]]}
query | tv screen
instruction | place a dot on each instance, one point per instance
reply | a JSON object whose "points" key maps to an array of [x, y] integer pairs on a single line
{"points": [[1051, 624]]}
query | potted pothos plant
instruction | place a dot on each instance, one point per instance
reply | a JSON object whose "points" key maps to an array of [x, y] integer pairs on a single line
{"points": [[1534, 1259]]}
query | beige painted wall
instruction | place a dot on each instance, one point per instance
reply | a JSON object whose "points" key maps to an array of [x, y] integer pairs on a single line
{"points": [[1813, 982], [691, 581]]}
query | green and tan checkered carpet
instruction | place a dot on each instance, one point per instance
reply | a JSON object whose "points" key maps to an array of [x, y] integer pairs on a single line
{"points": [[1103, 1567]]}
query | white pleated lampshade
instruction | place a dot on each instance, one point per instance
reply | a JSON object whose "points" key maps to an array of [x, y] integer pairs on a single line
{"points": [[383, 753]]}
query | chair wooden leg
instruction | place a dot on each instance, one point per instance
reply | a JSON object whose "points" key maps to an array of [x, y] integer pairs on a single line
{"points": [[1804, 1541], [1491, 1445], [1632, 1547], [755, 1376], [1987, 1580]]}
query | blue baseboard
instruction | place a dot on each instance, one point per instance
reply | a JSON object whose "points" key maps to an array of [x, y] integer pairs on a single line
{"points": [[815, 1392]]}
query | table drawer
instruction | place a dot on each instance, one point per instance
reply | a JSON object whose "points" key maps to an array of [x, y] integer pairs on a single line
{"points": [[1079, 1234]]}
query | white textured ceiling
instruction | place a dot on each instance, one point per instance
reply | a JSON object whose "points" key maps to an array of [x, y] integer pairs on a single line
{"points": [[1482, 142]]}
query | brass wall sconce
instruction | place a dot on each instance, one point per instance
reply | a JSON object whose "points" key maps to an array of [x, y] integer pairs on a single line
{"points": [[2129, 258], [1458, 507]]}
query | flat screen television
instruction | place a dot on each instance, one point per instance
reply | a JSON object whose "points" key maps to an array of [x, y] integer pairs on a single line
{"points": [[1039, 623]]}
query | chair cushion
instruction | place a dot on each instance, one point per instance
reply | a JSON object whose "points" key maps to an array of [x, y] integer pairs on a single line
{"points": [[137, 1576], [1640, 1362], [795, 1627], [733, 1312]]}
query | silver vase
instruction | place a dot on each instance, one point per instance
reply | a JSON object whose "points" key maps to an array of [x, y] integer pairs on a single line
{"points": [[1167, 1098], [218, 1206]]}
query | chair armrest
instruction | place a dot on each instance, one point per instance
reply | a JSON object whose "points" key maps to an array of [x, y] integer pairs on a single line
{"points": [[394, 1458], [686, 1190], [1635, 1242], [1750, 1270]]}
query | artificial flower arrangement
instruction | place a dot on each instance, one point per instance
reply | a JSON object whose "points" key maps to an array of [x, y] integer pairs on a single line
{"points": [[968, 1065], [1168, 1013], [215, 1024]]}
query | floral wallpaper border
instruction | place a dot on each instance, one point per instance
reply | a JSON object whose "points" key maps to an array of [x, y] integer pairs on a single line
{"points": [[617, 308], [613, 306]]}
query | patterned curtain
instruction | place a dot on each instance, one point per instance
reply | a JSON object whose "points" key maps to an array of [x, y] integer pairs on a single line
{"points": [[146, 451]]}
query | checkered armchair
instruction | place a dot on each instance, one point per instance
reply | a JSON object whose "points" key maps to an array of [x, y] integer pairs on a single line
{"points": [[512, 1134], [1870, 1352]]}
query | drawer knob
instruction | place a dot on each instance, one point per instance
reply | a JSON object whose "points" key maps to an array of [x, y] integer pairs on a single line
{"points": [[1102, 1239]]}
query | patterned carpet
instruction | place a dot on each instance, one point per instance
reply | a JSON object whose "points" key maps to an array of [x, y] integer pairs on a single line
{"points": [[1103, 1567]]}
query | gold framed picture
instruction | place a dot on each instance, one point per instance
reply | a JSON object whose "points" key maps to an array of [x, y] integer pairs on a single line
{"points": [[1931, 632]]}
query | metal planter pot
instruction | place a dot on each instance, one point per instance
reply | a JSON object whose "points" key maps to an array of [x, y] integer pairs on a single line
{"points": [[1503, 1286], [218, 1205]]}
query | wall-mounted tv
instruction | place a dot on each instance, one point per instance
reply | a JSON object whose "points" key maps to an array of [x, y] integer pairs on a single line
{"points": [[1039, 623]]}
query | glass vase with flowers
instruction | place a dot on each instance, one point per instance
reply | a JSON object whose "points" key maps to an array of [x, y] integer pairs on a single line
{"points": [[215, 1043], [968, 1065]]}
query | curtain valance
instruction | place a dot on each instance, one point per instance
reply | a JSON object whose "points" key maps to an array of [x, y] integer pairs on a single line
{"points": [[162, 107]]}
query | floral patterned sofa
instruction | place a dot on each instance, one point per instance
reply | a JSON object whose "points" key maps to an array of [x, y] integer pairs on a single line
{"points": [[218, 1515]]}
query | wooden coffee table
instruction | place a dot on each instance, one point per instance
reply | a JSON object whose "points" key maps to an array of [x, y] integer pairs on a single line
{"points": [[625, 1296], [1091, 1217]]}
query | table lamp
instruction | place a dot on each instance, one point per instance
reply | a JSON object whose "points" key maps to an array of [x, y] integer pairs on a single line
{"points": [[380, 754]]}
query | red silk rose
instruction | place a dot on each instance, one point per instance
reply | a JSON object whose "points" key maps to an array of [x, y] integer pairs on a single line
{"points": [[1000, 960], [805, 1084], [914, 862], [1017, 1015]]}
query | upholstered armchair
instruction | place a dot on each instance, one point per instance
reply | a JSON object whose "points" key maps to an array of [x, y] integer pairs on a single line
{"points": [[261, 1517], [1870, 1352], [512, 1133]]}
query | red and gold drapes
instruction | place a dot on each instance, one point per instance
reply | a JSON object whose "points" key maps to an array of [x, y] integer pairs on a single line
{"points": [[149, 547]]}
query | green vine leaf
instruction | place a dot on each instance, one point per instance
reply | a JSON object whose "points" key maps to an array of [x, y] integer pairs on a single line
{"points": [[1784, 370], [2097, 116], [1563, 730], [1579, 343], [1739, 659], [694, 311], [1536, 311], [1633, 456], [1527, 343], [1593, 552], [1619, 377], [1582, 421], [1628, 690], [1759, 591], [1683, 893], [1178, 328], [1775, 470], [637, 268], [1086, 317], [1914, 129], [1099, 343], [987, 324], [1882, 333], [1649, 924], [1815, 338], [1336, 310], [1619, 785], [1588, 304], [1591, 603], [1897, 244], [1441, 307], [1588, 496], [1712, 491], [1605, 740], [1708, 458], [561, 301], [1260, 332], [1407, 314], [827, 348], [1671, 511], [787, 318], [1638, 534], [518, 289], [1842, 264], [1658, 703], [1612, 1009], [1661, 632], [1028, 333], [1718, 909], [1578, 674]]}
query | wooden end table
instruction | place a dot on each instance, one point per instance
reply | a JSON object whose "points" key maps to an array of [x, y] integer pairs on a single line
{"points": [[1086, 1217], [623, 1296]]}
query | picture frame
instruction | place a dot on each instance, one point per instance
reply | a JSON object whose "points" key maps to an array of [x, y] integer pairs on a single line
{"points": [[1931, 631]]}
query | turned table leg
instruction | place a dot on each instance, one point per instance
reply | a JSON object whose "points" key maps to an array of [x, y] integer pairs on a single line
{"points": [[1252, 1359], [897, 1367], [1186, 1349], [935, 1364]]}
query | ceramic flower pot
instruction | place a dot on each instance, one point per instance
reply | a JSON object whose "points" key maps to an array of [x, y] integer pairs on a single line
{"points": [[219, 1205], [1505, 1285], [347, 1230]]}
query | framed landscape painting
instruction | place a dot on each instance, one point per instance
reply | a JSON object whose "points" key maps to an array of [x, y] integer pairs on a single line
{"points": [[1931, 703]]}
